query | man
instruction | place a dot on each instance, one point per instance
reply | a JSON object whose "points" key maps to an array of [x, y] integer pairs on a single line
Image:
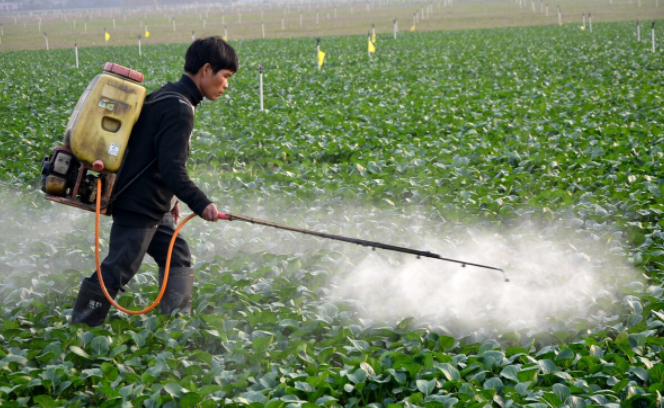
{"points": [[153, 174]]}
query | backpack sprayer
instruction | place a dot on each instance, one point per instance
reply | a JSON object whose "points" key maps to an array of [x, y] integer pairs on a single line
{"points": [[95, 140], [82, 173]]}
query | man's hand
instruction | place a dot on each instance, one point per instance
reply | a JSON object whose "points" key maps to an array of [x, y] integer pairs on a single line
{"points": [[175, 212], [210, 213]]}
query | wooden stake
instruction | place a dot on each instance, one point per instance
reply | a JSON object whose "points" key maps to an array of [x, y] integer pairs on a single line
{"points": [[76, 53]]}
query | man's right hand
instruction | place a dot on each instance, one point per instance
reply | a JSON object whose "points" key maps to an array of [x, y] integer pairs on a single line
{"points": [[210, 213]]}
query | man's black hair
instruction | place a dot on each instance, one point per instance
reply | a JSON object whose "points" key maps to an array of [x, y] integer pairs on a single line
{"points": [[212, 49]]}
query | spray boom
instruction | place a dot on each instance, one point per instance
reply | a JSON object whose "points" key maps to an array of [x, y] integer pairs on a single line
{"points": [[372, 244]]}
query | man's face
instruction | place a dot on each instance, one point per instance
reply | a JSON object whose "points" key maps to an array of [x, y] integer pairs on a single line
{"points": [[213, 85]]}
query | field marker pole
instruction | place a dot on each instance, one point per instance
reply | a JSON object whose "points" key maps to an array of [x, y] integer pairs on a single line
{"points": [[46, 38], [140, 54], [173, 24], [226, 33], [584, 20], [193, 36], [638, 31], [395, 29], [263, 29], [547, 9], [260, 70], [590, 22], [76, 53], [317, 52], [653, 36], [560, 17]]}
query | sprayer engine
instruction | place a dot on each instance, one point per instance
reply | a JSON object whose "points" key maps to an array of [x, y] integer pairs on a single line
{"points": [[67, 180]]}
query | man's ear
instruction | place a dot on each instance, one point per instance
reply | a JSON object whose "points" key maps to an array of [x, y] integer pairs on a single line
{"points": [[205, 70]]}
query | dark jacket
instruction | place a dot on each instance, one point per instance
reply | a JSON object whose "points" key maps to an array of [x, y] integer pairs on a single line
{"points": [[163, 131]]}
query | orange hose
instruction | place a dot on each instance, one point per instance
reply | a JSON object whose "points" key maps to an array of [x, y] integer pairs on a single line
{"points": [[168, 261]]}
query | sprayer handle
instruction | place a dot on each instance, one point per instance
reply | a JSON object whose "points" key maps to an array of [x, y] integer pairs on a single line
{"points": [[223, 216]]}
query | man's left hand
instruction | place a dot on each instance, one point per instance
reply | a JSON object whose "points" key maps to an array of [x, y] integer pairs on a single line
{"points": [[175, 212]]}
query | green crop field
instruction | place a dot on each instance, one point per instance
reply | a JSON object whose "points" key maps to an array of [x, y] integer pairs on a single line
{"points": [[533, 149]]}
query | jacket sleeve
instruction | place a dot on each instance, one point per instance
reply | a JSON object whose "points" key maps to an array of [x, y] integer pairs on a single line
{"points": [[172, 146]]}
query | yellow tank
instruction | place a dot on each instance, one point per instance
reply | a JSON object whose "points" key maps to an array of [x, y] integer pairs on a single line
{"points": [[102, 120]]}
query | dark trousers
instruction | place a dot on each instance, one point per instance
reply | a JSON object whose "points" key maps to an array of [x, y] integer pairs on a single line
{"points": [[128, 246]]}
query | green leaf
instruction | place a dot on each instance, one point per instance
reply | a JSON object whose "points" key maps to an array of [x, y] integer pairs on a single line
{"points": [[100, 346], [449, 371], [325, 400], [78, 351], [426, 387], [575, 402], [304, 386], [511, 373], [562, 391], [656, 373], [174, 390], [494, 384], [45, 401]]}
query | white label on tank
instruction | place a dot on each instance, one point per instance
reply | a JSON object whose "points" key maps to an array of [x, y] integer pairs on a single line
{"points": [[106, 104], [114, 149]]}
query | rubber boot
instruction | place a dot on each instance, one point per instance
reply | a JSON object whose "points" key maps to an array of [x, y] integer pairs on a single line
{"points": [[179, 289], [91, 305]]}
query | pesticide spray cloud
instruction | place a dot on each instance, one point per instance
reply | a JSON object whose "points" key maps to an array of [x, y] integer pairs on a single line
{"points": [[553, 281]]}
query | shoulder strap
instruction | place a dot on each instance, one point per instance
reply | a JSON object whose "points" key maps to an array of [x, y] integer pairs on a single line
{"points": [[160, 96]]}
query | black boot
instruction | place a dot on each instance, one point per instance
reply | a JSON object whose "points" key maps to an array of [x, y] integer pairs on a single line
{"points": [[91, 305], [179, 290]]}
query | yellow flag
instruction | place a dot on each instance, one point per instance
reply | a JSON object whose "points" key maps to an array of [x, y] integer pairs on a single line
{"points": [[373, 38], [372, 47], [107, 36], [412, 28], [321, 58], [147, 34]]}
